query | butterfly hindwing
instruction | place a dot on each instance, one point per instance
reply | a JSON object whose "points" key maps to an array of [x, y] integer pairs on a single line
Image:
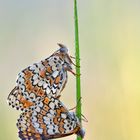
{"points": [[24, 124], [50, 119]]}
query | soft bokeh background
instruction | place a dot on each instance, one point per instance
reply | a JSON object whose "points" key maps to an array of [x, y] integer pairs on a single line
{"points": [[110, 60]]}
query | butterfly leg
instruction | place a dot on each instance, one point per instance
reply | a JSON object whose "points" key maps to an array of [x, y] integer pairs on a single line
{"points": [[76, 104], [74, 57], [68, 69], [69, 57]]}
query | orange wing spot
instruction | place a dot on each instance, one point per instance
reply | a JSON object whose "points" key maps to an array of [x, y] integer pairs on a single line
{"points": [[35, 89], [37, 136], [25, 102], [24, 133], [43, 112], [62, 109], [49, 69], [31, 129], [55, 121], [58, 112], [28, 83], [29, 134], [51, 81], [46, 108], [61, 124], [57, 80], [28, 74], [61, 129], [40, 120], [40, 92], [46, 100], [42, 73], [40, 116], [43, 126], [29, 86]]}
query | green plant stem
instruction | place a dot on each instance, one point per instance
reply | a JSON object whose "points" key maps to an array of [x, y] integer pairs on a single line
{"points": [[77, 55]]}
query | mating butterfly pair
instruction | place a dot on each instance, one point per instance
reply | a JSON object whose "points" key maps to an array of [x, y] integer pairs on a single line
{"points": [[37, 92]]}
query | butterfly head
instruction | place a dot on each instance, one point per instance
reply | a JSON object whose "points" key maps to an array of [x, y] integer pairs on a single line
{"points": [[81, 132], [63, 51]]}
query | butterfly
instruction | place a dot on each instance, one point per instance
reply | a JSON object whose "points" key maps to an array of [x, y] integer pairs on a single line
{"points": [[37, 92], [45, 78], [48, 120]]}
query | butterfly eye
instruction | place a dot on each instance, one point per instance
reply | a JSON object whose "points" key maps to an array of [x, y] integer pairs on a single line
{"points": [[63, 50]]}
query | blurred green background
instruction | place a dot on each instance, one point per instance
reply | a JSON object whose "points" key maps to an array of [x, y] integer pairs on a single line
{"points": [[110, 60]]}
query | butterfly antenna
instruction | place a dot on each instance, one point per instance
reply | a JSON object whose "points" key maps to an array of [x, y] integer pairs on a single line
{"points": [[84, 118], [61, 45]]}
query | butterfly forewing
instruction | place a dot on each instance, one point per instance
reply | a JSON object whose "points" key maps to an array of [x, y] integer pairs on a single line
{"points": [[46, 78]]}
